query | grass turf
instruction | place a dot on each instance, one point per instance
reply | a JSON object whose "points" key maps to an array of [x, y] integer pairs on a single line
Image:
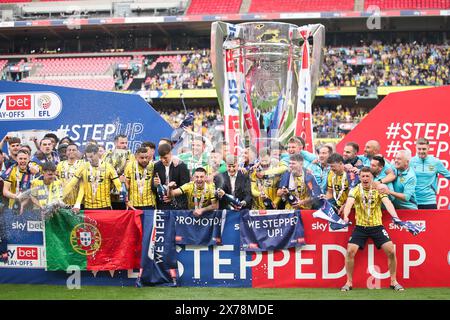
{"points": [[47, 292]]}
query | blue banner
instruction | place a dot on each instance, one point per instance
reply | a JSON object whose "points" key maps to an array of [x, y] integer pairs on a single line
{"points": [[27, 110], [271, 230], [201, 231], [159, 258]]}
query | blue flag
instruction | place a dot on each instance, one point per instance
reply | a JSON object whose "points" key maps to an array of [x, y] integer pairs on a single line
{"points": [[327, 212], [353, 179], [159, 260], [202, 231], [413, 228], [271, 230]]}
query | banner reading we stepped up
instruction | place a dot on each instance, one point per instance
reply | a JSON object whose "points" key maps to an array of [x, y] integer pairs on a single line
{"points": [[403, 117], [93, 240]]}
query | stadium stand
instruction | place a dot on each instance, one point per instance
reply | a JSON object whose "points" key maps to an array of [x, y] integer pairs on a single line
{"points": [[87, 72], [3, 63], [104, 84], [30, 8], [300, 5], [408, 4], [14, 1], [76, 66], [211, 7]]}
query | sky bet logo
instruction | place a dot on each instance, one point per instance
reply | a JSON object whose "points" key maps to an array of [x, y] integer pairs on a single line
{"points": [[16, 102], [29, 106]]}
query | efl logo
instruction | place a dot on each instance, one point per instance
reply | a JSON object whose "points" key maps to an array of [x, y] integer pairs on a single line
{"points": [[18, 102], [27, 253]]}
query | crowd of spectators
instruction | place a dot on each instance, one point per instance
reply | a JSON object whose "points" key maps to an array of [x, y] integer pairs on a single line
{"points": [[328, 122], [336, 122], [189, 71], [378, 64], [398, 64], [203, 117]]}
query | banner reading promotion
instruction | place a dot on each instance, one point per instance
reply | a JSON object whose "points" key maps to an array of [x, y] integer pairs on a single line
{"points": [[205, 230], [401, 118]]}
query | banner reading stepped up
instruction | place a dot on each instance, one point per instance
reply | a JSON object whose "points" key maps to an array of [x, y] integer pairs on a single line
{"points": [[262, 230], [93, 240]]}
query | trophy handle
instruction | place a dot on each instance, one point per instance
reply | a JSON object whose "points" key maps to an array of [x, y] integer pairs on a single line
{"points": [[218, 32], [318, 34]]}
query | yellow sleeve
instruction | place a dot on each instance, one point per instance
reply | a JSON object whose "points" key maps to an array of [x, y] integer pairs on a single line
{"points": [[114, 177], [329, 181], [129, 171], [34, 188], [58, 169], [80, 195], [213, 193], [78, 176], [186, 188], [352, 193], [254, 186], [275, 171]]}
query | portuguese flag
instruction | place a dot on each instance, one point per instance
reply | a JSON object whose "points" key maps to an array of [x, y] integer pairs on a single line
{"points": [[94, 240]]}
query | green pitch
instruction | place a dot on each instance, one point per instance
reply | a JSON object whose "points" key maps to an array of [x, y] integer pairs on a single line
{"points": [[46, 292]]}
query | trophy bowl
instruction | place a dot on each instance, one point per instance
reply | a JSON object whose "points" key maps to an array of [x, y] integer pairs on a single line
{"points": [[257, 70]]}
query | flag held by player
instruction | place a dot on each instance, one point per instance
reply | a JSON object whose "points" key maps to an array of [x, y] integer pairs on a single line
{"points": [[326, 212]]}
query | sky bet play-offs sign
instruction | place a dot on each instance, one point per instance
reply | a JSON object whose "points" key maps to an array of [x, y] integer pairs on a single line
{"points": [[29, 106], [83, 115]]}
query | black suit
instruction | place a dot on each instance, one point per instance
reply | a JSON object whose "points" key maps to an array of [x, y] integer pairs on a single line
{"points": [[242, 188], [179, 174]]}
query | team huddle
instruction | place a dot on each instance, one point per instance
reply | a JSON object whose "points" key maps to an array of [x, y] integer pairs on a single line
{"points": [[204, 179]]}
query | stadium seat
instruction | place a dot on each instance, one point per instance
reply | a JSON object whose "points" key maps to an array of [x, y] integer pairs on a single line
{"points": [[14, 1], [213, 7], [86, 73], [408, 4], [300, 5]]}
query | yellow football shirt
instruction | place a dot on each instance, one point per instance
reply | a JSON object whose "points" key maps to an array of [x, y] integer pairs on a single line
{"points": [[66, 171], [140, 185], [301, 192], [367, 206], [15, 177], [339, 185], [268, 185], [46, 194], [204, 196], [96, 184]]}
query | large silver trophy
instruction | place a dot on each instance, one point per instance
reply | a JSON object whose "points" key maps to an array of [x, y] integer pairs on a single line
{"points": [[266, 79]]}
